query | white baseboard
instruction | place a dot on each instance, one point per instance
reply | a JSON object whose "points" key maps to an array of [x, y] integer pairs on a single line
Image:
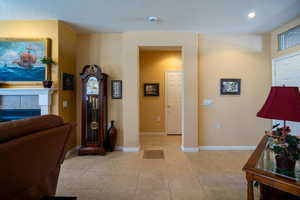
{"points": [[189, 149], [72, 151], [226, 148], [217, 148], [153, 133], [118, 148], [131, 149]]}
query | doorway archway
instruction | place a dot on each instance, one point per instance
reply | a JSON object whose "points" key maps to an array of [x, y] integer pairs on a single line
{"points": [[132, 41]]}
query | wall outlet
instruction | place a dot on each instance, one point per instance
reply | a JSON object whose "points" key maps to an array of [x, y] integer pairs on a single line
{"points": [[65, 104], [218, 125]]}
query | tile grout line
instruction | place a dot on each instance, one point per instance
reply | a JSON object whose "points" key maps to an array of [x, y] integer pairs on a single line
{"points": [[138, 178], [169, 188], [170, 191]]}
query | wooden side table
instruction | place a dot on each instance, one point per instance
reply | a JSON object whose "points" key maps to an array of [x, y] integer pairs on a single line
{"points": [[261, 167]]}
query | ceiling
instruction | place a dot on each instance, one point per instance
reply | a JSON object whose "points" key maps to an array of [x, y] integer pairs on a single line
{"points": [[207, 16]]}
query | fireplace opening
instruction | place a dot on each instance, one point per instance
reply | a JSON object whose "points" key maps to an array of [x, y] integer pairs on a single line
{"points": [[15, 114]]}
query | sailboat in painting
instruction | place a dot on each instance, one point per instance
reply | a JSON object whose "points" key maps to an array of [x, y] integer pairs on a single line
{"points": [[27, 59], [20, 60]]}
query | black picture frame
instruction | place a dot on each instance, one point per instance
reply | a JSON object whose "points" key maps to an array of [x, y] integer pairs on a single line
{"points": [[116, 89], [67, 81], [151, 89], [230, 86]]}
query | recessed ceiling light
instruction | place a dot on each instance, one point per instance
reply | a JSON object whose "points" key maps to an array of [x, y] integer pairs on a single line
{"points": [[251, 15], [153, 19]]}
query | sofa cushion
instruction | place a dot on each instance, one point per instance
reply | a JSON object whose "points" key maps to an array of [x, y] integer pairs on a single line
{"points": [[19, 128]]}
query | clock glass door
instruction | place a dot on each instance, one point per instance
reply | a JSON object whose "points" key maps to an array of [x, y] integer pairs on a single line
{"points": [[92, 92]]}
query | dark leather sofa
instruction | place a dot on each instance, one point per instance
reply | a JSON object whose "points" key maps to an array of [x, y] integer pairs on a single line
{"points": [[31, 152]]}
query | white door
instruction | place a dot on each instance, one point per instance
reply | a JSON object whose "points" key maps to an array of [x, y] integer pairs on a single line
{"points": [[286, 71], [173, 92]]}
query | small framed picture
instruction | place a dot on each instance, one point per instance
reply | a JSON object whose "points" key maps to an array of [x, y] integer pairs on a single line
{"points": [[68, 81], [116, 89], [230, 86], [151, 89]]}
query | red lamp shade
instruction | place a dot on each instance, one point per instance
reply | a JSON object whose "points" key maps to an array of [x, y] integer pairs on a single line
{"points": [[283, 103]]}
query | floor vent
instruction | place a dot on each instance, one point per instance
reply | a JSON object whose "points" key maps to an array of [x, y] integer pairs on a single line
{"points": [[153, 154]]}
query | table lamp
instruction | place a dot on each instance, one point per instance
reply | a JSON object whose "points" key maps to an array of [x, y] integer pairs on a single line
{"points": [[283, 103]]}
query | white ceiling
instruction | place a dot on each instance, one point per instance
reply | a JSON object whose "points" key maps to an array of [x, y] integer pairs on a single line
{"points": [[176, 15]]}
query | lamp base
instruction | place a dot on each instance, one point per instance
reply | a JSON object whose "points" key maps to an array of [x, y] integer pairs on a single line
{"points": [[285, 166]]}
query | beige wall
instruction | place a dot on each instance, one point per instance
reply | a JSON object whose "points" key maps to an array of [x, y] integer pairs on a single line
{"points": [[275, 52], [153, 65], [104, 50], [231, 120], [245, 56], [67, 64]]}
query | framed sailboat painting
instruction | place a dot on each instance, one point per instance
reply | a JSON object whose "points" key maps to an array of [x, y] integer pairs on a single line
{"points": [[20, 60]]}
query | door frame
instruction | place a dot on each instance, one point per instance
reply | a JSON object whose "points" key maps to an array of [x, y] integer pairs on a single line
{"points": [[131, 43], [166, 99]]}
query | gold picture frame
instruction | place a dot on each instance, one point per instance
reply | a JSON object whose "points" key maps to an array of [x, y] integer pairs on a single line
{"points": [[47, 53]]}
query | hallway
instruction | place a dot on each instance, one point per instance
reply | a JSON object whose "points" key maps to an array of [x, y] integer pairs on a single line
{"points": [[206, 175]]}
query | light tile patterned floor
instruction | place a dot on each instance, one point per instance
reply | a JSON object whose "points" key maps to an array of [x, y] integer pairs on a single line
{"points": [[206, 175]]}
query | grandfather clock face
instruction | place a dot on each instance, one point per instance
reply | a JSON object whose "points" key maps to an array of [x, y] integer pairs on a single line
{"points": [[92, 86]]}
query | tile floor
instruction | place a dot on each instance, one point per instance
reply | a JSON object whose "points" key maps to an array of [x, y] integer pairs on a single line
{"points": [[206, 175]]}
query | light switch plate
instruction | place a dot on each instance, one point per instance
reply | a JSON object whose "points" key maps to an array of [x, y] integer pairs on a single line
{"points": [[207, 102], [65, 104]]}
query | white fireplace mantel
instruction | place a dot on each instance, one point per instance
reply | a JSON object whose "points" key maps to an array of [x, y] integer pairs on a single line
{"points": [[44, 94]]}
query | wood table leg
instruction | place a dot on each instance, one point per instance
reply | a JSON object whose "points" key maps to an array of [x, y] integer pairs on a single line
{"points": [[261, 189], [250, 190]]}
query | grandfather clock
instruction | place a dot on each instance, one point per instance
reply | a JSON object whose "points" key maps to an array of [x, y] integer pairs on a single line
{"points": [[94, 110]]}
